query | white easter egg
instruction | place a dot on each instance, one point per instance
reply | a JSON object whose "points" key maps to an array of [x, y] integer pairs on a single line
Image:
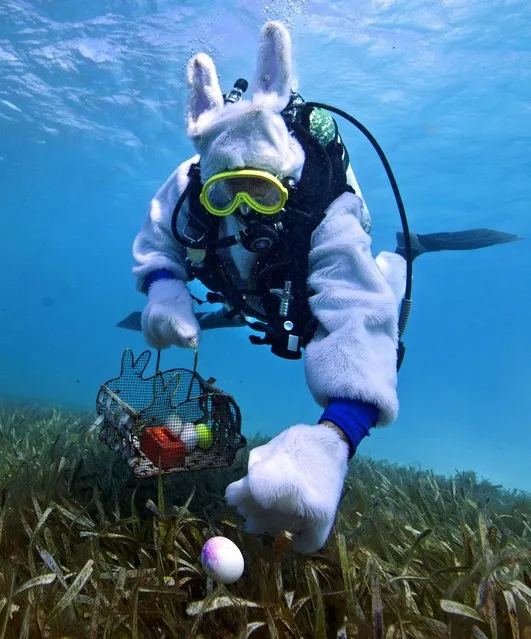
{"points": [[174, 424], [222, 560], [189, 437]]}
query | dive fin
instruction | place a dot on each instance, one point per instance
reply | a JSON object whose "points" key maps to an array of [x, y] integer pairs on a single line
{"points": [[207, 320], [456, 241], [132, 322]]}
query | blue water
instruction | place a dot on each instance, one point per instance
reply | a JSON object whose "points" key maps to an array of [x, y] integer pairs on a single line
{"points": [[91, 123]]}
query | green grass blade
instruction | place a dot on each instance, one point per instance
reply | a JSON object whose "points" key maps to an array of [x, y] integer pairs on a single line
{"points": [[318, 602], [43, 580], [512, 613], [456, 608], [74, 589]]}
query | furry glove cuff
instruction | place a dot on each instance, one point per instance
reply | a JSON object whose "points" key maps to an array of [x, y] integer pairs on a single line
{"points": [[168, 317], [294, 483]]}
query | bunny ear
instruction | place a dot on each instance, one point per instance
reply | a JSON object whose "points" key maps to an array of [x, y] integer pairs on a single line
{"points": [[274, 68], [141, 363], [127, 361], [204, 91]]}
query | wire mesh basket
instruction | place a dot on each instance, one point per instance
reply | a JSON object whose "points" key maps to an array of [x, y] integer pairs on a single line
{"points": [[171, 422]]}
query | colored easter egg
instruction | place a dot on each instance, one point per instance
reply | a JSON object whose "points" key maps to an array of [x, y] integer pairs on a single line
{"points": [[204, 436], [222, 560]]}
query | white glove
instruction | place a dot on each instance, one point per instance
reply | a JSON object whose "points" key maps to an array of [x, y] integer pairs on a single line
{"points": [[168, 317], [294, 483]]}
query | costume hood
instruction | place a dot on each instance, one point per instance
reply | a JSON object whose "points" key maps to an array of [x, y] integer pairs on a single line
{"points": [[249, 133]]}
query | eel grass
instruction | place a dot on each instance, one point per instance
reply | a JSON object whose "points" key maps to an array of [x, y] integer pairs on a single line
{"points": [[86, 550]]}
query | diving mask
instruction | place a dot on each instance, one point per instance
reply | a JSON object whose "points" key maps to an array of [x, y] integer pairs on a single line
{"points": [[224, 192]]}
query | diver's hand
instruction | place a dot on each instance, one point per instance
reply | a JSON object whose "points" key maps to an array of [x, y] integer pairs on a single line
{"points": [[294, 483], [168, 318]]}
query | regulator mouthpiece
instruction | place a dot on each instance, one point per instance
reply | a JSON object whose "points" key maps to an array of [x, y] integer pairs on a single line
{"points": [[236, 93]]}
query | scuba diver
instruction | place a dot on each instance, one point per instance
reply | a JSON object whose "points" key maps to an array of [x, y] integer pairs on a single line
{"points": [[269, 217]]}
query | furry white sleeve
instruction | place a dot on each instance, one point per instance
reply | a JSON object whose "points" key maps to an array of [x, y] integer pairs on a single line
{"points": [[155, 247], [354, 352]]}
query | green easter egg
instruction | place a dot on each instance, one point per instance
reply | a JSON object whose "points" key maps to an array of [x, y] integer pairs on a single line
{"points": [[204, 436]]}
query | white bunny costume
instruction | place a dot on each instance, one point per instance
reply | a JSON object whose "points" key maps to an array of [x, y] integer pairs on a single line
{"points": [[294, 482]]}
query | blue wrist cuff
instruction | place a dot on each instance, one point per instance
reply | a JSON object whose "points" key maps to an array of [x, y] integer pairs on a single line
{"points": [[355, 419], [154, 276]]}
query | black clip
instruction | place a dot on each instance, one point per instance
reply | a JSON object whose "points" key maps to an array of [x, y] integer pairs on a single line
{"points": [[254, 339], [215, 298], [263, 328]]}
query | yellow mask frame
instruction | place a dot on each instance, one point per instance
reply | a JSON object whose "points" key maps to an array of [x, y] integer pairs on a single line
{"points": [[277, 189]]}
